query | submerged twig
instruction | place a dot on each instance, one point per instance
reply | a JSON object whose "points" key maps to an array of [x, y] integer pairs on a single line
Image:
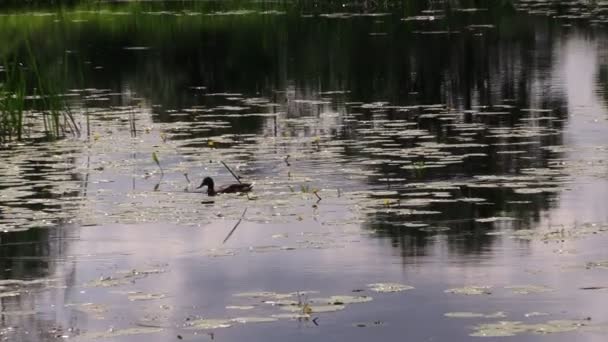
{"points": [[232, 173], [317, 194], [234, 228]]}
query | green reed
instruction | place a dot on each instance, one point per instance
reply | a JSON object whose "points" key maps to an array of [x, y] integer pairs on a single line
{"points": [[26, 95], [12, 102]]}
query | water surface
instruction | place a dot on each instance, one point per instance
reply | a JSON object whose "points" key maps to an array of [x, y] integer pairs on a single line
{"points": [[460, 152]]}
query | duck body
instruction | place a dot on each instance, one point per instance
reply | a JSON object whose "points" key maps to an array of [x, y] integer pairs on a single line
{"points": [[228, 189]]}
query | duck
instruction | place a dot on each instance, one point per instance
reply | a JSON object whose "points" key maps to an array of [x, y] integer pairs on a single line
{"points": [[227, 189]]}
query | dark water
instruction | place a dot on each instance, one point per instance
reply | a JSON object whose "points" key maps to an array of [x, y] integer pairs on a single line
{"points": [[460, 152]]}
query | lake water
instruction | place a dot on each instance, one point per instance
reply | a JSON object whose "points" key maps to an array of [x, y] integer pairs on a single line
{"points": [[420, 173]]}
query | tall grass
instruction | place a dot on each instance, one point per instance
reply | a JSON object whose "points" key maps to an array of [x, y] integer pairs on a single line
{"points": [[28, 96], [12, 102]]}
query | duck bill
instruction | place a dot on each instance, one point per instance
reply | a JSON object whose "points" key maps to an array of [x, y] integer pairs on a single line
{"points": [[200, 186]]}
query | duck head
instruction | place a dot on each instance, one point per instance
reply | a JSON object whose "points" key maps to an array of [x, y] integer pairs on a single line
{"points": [[206, 182]]}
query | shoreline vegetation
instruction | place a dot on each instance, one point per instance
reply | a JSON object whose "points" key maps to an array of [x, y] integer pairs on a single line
{"points": [[326, 5], [32, 101]]}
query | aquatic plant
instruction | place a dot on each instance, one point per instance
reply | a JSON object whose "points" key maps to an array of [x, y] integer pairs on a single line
{"points": [[25, 91], [12, 100], [157, 161]]}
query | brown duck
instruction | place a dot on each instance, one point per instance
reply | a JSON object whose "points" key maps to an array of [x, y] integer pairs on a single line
{"points": [[228, 189]]}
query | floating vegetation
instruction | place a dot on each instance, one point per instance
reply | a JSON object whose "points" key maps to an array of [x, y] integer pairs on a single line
{"points": [[97, 311], [207, 324], [494, 219], [19, 313], [598, 264], [514, 328], [310, 309], [536, 314], [498, 314], [471, 290], [434, 229], [240, 307], [123, 278], [145, 296], [528, 289], [265, 295], [292, 316], [389, 287], [245, 320], [341, 300], [114, 333], [16, 287]]}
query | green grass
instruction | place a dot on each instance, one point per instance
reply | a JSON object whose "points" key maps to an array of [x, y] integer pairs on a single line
{"points": [[12, 102], [27, 95]]}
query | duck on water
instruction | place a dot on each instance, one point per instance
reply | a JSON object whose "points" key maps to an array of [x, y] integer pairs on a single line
{"points": [[227, 189]]}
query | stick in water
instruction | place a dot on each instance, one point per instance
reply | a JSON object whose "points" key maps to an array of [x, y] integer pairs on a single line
{"points": [[234, 228], [317, 194], [232, 173]]}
